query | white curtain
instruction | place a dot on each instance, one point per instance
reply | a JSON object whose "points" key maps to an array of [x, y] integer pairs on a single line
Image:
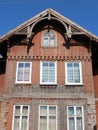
{"points": [[43, 123], [16, 122], [52, 123], [71, 123], [79, 123], [24, 123]]}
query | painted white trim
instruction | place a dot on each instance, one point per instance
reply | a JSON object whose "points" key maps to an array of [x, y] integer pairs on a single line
{"points": [[23, 82], [75, 116], [20, 116], [66, 77], [47, 114], [48, 83]]}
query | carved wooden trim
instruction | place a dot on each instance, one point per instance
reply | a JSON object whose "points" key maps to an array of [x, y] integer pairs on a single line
{"points": [[57, 58], [8, 46]]}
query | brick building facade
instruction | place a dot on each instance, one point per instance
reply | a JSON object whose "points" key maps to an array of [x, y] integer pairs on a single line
{"points": [[48, 75]]}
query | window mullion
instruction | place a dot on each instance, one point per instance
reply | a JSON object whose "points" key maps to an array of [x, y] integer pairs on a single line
{"points": [[55, 65], [20, 123], [48, 72], [75, 122], [23, 73], [23, 69], [75, 116], [48, 40], [73, 72], [80, 72], [47, 117], [82, 118], [28, 118]]}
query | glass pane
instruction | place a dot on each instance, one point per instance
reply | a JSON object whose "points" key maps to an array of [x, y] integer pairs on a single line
{"points": [[20, 65], [69, 72], [51, 64], [45, 64], [79, 123], [27, 65], [69, 65], [43, 123], [45, 74], [25, 110], [45, 41], [17, 110], [16, 122], [76, 72], [52, 123], [49, 38], [78, 110], [51, 72], [26, 74], [44, 78], [52, 110], [43, 109], [51, 76], [48, 72], [76, 65], [24, 123], [70, 110], [72, 123], [51, 79], [51, 34], [20, 75], [52, 42]]}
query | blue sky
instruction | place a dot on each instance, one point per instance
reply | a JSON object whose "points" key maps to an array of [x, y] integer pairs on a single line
{"points": [[15, 12]]}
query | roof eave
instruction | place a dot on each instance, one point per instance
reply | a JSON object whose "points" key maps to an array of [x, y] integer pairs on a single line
{"points": [[42, 14]]}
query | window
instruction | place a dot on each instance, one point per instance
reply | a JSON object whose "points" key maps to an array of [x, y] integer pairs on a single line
{"points": [[73, 73], [23, 73], [75, 117], [48, 72], [49, 39], [47, 117], [20, 117]]}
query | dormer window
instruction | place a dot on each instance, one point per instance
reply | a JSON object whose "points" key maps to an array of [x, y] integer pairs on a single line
{"points": [[48, 39]]}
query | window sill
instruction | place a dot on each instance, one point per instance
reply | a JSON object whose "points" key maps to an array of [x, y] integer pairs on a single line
{"points": [[48, 85], [23, 83], [74, 84], [47, 47]]}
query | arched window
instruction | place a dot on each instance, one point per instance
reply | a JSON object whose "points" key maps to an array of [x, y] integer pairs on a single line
{"points": [[49, 39]]}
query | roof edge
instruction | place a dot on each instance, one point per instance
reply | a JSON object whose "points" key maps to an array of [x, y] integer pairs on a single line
{"points": [[43, 13]]}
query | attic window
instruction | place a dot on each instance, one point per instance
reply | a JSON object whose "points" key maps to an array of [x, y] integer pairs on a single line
{"points": [[48, 39]]}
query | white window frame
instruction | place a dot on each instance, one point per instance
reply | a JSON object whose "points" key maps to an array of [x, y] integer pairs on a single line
{"points": [[75, 116], [41, 67], [66, 75], [26, 82], [48, 39], [20, 116], [47, 116]]}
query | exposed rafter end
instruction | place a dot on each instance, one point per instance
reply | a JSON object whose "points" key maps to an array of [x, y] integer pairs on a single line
{"points": [[8, 45], [90, 45]]}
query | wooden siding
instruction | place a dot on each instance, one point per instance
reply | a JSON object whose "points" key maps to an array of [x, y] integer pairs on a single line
{"points": [[35, 94], [60, 54]]}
